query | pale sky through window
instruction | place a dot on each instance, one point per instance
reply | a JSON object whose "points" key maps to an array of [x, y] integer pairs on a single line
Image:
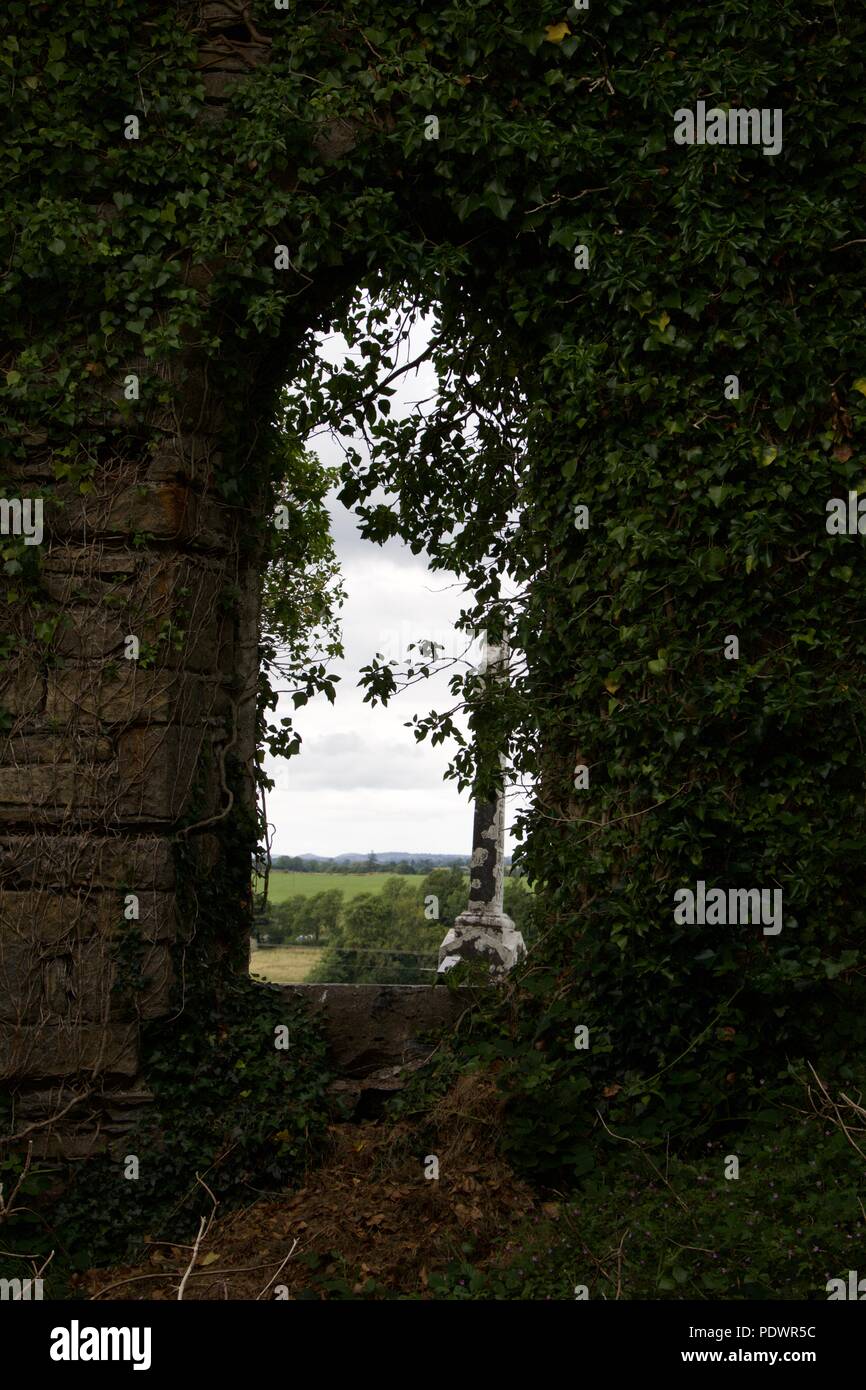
{"points": [[361, 781]]}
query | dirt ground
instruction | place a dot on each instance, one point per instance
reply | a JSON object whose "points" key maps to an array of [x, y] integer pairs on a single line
{"points": [[375, 1222]]}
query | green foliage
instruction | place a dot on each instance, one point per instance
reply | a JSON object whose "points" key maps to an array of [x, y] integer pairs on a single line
{"points": [[389, 938], [450, 889], [301, 594], [707, 515], [304, 917], [520, 906], [384, 939], [558, 387], [681, 1230], [229, 1109]]}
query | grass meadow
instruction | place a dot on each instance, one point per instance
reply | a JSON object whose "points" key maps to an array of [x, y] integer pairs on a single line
{"points": [[283, 965], [289, 965], [283, 884]]}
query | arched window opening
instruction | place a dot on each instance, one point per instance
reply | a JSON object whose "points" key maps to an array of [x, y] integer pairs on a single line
{"points": [[376, 867]]}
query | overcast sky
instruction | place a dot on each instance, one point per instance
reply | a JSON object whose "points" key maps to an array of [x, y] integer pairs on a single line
{"points": [[361, 781]]}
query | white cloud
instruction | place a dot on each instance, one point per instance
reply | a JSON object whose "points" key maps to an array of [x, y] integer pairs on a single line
{"points": [[362, 781]]}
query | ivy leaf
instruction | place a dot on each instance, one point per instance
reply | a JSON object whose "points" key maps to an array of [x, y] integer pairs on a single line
{"points": [[496, 199], [765, 454], [860, 385], [832, 968], [654, 144], [464, 206], [555, 33]]}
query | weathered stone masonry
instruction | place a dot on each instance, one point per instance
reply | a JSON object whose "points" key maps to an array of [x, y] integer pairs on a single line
{"points": [[107, 763], [107, 756]]}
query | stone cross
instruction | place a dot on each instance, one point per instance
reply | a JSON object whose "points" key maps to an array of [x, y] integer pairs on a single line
{"points": [[483, 932]]}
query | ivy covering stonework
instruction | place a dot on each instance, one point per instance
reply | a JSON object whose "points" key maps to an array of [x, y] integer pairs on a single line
{"points": [[652, 381]]}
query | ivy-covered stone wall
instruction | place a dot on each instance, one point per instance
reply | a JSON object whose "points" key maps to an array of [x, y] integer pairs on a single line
{"points": [[129, 681], [636, 229]]}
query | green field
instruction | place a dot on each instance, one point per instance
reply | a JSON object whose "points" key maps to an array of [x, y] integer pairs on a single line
{"points": [[283, 885]]}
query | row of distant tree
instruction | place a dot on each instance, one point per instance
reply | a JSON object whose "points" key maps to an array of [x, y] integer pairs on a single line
{"points": [[389, 937], [422, 865]]}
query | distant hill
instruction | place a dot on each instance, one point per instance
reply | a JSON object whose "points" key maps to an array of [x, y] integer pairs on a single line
{"points": [[387, 862], [396, 856], [397, 860]]}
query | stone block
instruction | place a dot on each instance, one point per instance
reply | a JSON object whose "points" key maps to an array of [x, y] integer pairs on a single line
{"points": [[88, 633], [158, 769], [95, 988], [87, 1126], [484, 936], [106, 600], [22, 687], [188, 589], [68, 861], [37, 916], [43, 792], [119, 695], [373, 1026], [67, 1049], [20, 982], [47, 748], [94, 575], [162, 511], [70, 1145], [125, 694]]}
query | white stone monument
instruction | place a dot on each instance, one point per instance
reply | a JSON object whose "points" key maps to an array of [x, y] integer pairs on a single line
{"points": [[483, 932]]}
